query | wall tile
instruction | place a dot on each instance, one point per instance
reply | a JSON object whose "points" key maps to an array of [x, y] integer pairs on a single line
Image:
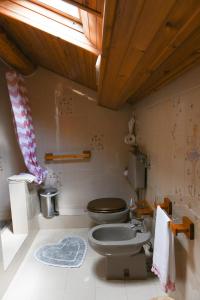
{"points": [[168, 128], [68, 119]]}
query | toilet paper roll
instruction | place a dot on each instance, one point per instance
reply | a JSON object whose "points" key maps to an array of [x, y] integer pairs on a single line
{"points": [[129, 139]]}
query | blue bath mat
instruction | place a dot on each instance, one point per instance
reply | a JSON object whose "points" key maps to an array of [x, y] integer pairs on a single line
{"points": [[69, 253]]}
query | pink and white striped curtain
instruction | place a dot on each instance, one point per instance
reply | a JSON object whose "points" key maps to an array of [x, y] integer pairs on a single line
{"points": [[24, 125]]}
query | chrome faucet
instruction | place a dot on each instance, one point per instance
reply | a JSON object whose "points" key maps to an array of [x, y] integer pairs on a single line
{"points": [[138, 224]]}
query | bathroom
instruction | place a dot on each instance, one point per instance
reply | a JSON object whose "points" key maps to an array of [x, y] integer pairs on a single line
{"points": [[84, 96]]}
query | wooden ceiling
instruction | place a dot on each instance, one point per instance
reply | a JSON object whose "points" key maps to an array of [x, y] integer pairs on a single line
{"points": [[145, 44], [52, 41]]}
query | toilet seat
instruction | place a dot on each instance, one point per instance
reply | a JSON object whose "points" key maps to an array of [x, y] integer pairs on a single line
{"points": [[106, 205]]}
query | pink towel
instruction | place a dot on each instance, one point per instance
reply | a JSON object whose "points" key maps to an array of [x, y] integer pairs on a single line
{"points": [[164, 255]]}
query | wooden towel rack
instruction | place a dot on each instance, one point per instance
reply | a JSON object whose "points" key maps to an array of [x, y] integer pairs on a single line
{"points": [[186, 227], [55, 157], [144, 208], [166, 205]]}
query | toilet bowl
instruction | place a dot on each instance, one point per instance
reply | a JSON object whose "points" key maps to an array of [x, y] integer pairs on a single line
{"points": [[117, 239], [108, 210]]}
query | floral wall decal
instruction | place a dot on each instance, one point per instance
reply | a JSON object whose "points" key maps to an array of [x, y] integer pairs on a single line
{"points": [[97, 142]]}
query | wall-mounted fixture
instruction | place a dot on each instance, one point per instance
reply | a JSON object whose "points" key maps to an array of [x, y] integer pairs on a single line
{"points": [[166, 205], [136, 172], [85, 155], [186, 227]]}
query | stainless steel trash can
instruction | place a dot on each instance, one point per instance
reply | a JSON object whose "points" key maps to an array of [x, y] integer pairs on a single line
{"points": [[48, 202]]}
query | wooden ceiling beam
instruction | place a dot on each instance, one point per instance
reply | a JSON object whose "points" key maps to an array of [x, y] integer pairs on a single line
{"points": [[13, 56], [108, 21]]}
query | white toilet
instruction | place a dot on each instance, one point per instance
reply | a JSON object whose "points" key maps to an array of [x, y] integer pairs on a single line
{"points": [[108, 210]]}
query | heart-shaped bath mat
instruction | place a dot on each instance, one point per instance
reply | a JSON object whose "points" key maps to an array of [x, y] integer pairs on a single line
{"points": [[69, 253]]}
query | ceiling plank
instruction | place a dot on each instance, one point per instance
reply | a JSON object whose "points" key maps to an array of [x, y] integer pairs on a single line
{"points": [[133, 29], [38, 21], [13, 56], [186, 56], [53, 53], [179, 25]]}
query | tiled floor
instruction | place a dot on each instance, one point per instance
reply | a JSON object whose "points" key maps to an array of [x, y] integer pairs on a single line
{"points": [[35, 281], [10, 245]]}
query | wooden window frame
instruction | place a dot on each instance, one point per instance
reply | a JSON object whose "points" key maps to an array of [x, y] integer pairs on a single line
{"points": [[58, 11]]}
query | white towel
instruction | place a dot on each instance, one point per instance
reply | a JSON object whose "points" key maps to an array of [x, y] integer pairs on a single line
{"points": [[164, 254], [22, 177]]}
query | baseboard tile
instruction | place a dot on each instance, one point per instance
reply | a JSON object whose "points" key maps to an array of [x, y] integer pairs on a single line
{"points": [[65, 221]]}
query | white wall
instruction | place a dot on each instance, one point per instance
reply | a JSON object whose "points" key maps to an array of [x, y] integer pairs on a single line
{"points": [[67, 119], [11, 161], [168, 129]]}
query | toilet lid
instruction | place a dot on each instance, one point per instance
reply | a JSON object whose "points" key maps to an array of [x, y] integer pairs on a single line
{"points": [[107, 205]]}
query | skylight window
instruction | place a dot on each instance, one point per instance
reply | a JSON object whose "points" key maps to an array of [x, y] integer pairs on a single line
{"points": [[62, 7]]}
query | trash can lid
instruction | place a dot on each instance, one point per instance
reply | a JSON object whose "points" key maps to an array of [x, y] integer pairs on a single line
{"points": [[48, 191]]}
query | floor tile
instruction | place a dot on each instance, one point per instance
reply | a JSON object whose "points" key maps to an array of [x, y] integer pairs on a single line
{"points": [[36, 281], [143, 289], [111, 290]]}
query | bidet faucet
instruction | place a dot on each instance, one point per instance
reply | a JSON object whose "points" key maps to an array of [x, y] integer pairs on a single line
{"points": [[139, 225], [140, 220]]}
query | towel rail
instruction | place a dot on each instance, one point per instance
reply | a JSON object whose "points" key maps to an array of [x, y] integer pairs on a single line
{"points": [[186, 227], [56, 157], [166, 205]]}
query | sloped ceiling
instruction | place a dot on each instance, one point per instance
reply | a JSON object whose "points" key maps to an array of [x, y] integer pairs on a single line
{"points": [[145, 44], [51, 41]]}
